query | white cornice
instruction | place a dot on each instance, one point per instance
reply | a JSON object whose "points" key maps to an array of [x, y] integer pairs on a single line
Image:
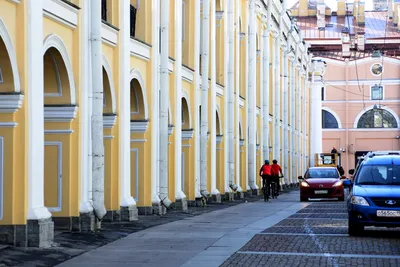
{"points": [[10, 103], [109, 35], [170, 129], [187, 74], [60, 12], [8, 124], [187, 134], [139, 126], [109, 121], [60, 114], [218, 139], [220, 90], [140, 50]]}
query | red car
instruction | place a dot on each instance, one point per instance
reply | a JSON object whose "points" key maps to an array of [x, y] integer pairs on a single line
{"points": [[321, 182]]}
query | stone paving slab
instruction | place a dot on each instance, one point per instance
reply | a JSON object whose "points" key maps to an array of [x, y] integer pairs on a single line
{"points": [[319, 215], [303, 230], [306, 261], [311, 209], [314, 222]]}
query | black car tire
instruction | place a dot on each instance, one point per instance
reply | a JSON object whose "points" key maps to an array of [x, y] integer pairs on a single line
{"points": [[341, 198], [303, 199], [355, 229]]}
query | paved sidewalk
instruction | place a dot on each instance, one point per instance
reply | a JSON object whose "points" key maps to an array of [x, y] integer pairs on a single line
{"points": [[205, 240]]}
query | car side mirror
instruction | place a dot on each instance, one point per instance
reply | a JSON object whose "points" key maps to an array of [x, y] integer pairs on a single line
{"points": [[347, 183], [300, 178], [351, 171]]}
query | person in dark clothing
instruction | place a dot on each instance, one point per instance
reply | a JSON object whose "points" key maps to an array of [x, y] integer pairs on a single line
{"points": [[265, 173], [333, 151], [275, 170], [340, 170]]}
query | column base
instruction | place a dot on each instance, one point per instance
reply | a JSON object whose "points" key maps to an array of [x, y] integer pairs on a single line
{"points": [[180, 204], [14, 235], [159, 209], [216, 198], [145, 210], [229, 196], [83, 223], [239, 195], [112, 216], [129, 214], [198, 202], [254, 192]]}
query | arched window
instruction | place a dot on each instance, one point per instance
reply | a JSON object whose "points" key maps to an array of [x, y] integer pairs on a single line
{"points": [[377, 118], [328, 120]]}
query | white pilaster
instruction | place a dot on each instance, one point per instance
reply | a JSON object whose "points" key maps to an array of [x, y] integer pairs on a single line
{"points": [[237, 107], [277, 92], [318, 67], [250, 97], [179, 194], [155, 132], [292, 123], [246, 106], [125, 110], [285, 119], [213, 163], [298, 119], [35, 114], [85, 114]]}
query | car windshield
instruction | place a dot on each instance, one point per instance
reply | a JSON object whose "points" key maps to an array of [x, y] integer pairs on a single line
{"points": [[379, 175], [321, 173]]}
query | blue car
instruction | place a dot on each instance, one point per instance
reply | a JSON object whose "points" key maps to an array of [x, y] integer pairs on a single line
{"points": [[375, 194]]}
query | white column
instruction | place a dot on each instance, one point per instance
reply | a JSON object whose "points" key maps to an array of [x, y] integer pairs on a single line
{"points": [[35, 114], [179, 195], [316, 108], [246, 105], [213, 133], [196, 97], [250, 97], [230, 96], [285, 119], [298, 114], [292, 123], [204, 99], [164, 105], [85, 114], [155, 131], [125, 110], [305, 116], [237, 107], [277, 92]]}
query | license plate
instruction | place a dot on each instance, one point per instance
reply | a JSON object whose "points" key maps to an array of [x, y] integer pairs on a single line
{"points": [[388, 213], [321, 192]]}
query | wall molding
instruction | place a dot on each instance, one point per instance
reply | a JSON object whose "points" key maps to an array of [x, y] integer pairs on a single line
{"points": [[61, 12], [60, 114], [10, 103], [187, 134], [109, 35], [8, 124], [140, 50], [139, 126], [109, 121], [65, 131], [59, 178]]}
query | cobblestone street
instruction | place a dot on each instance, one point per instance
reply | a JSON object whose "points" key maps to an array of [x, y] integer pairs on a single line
{"points": [[317, 236]]}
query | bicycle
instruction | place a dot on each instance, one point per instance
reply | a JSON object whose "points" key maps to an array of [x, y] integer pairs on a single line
{"points": [[265, 190], [274, 188]]}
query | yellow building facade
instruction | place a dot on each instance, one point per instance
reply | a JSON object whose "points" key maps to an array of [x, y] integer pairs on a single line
{"points": [[100, 108]]}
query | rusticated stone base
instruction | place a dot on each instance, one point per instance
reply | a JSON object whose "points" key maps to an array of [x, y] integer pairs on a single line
{"points": [[229, 196], [145, 210], [129, 214], [239, 195], [83, 223], [254, 192], [159, 209], [36, 233], [180, 204], [216, 198], [112, 216]]}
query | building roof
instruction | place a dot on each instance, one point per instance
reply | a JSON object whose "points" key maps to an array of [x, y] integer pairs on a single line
{"points": [[375, 22]]}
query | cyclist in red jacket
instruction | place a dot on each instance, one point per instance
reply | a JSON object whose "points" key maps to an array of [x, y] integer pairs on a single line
{"points": [[265, 173], [275, 170]]}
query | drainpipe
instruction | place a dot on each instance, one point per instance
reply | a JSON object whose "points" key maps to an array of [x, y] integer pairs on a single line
{"points": [[266, 80], [250, 97], [164, 101], [204, 99], [237, 107], [230, 89], [97, 112]]}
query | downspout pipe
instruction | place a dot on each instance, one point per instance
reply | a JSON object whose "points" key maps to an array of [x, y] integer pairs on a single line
{"points": [[97, 113], [164, 98]]}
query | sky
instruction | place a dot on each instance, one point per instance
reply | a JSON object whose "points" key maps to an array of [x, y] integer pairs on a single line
{"points": [[333, 4]]}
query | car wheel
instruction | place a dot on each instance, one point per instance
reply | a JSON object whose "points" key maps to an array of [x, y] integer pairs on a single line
{"points": [[303, 199], [341, 198], [355, 229]]}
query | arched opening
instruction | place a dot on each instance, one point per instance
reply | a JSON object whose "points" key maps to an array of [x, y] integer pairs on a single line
{"points": [[56, 80], [107, 98], [186, 123], [137, 101], [6, 71], [218, 124], [328, 120], [377, 118]]}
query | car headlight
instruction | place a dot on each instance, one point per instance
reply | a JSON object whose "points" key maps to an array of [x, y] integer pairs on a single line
{"points": [[359, 201], [304, 184], [338, 183]]}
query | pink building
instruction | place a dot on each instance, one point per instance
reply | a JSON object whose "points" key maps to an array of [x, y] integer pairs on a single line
{"points": [[361, 88]]}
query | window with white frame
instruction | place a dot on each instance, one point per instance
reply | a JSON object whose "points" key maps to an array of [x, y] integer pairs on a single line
{"points": [[377, 92]]}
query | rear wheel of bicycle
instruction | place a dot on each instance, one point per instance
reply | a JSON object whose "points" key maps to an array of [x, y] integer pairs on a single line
{"points": [[265, 194]]}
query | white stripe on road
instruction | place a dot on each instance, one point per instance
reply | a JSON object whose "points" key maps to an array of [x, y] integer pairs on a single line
{"points": [[321, 254], [302, 234]]}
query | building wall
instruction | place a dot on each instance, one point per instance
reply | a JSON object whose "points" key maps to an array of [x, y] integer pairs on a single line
{"points": [[66, 167]]}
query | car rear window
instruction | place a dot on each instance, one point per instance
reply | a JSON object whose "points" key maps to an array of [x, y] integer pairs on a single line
{"points": [[379, 175], [322, 173]]}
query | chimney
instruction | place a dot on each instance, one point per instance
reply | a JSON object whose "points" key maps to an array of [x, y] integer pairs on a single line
{"points": [[395, 20], [341, 7], [390, 9], [361, 13], [361, 41], [303, 8], [321, 14]]}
